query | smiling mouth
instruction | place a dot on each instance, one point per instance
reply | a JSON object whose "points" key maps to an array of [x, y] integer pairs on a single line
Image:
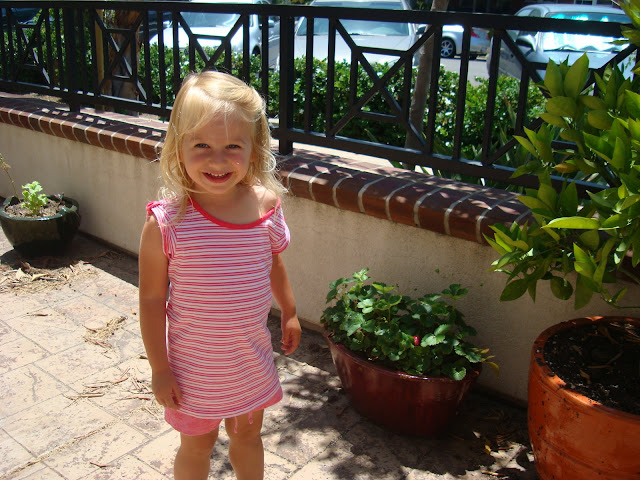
{"points": [[217, 177]]}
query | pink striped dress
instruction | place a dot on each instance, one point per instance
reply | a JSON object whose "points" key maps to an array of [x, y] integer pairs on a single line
{"points": [[218, 343]]}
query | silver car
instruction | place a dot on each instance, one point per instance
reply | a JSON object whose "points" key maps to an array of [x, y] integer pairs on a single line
{"points": [[208, 29], [544, 46], [451, 44], [365, 33]]}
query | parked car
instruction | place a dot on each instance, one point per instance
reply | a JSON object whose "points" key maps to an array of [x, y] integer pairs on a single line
{"points": [[365, 33], [20, 15], [208, 29], [544, 46], [451, 44]]}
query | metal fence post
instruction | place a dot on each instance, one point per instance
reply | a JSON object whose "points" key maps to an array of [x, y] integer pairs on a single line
{"points": [[285, 123], [70, 67]]}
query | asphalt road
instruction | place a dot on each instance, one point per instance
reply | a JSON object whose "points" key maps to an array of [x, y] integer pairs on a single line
{"points": [[477, 67]]}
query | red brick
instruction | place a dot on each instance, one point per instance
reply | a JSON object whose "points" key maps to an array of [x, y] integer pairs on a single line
{"points": [[374, 199]]}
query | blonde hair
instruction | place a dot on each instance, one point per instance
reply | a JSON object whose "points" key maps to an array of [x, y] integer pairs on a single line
{"points": [[204, 96]]}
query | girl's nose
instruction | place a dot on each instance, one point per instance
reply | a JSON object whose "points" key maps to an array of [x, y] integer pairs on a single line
{"points": [[217, 157]]}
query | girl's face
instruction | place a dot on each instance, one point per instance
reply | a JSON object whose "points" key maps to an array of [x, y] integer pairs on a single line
{"points": [[217, 156]]}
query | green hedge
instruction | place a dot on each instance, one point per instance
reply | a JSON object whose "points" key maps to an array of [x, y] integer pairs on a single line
{"points": [[381, 132]]}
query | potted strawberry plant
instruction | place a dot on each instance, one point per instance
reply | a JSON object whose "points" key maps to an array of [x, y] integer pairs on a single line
{"points": [[584, 381], [37, 224], [399, 357]]}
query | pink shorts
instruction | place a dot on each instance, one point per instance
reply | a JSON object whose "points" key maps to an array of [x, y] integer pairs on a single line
{"points": [[188, 425]]}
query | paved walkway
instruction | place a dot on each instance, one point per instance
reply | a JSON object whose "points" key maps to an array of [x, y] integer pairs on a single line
{"points": [[75, 401]]}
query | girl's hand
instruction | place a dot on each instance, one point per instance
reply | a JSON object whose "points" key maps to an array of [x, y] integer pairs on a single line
{"points": [[291, 333], [166, 390]]}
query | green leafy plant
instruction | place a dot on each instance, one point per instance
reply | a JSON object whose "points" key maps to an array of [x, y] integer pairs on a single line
{"points": [[422, 336], [33, 199], [597, 238]]}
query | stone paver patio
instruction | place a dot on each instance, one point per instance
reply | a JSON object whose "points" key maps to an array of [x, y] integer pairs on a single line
{"points": [[75, 401]]}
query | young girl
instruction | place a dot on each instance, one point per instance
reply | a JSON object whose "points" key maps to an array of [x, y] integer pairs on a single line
{"points": [[213, 245]]}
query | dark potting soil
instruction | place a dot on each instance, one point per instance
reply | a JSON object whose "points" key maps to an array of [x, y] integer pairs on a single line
{"points": [[50, 209], [602, 362]]}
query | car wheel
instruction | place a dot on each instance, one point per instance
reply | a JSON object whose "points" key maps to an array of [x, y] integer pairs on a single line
{"points": [[447, 48]]}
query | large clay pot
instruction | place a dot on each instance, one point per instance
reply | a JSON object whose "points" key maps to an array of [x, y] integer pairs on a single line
{"points": [[35, 236], [402, 403], [573, 437]]}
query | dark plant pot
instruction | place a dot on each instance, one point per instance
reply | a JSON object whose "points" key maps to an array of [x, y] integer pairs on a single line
{"points": [[36, 236], [573, 437], [402, 403]]}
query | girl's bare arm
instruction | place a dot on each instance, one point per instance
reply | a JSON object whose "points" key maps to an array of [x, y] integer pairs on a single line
{"points": [[153, 267], [283, 295]]}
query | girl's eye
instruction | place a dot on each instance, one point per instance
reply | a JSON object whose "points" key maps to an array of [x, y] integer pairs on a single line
{"points": [[201, 145], [233, 146]]}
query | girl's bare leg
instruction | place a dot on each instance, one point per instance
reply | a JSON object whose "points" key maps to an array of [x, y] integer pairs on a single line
{"points": [[246, 452], [194, 456]]}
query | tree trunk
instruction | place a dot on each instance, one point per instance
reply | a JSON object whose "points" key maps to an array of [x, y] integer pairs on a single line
{"points": [[125, 19], [423, 80]]}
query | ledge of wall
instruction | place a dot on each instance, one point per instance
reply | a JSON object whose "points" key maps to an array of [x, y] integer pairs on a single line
{"points": [[444, 206]]}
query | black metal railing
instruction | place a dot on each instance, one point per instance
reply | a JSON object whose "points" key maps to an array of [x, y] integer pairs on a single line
{"points": [[80, 52]]}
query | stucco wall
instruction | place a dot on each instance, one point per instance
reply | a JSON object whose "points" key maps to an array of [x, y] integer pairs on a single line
{"points": [[112, 188]]}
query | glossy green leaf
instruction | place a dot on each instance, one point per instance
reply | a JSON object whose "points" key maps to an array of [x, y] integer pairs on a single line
{"points": [[511, 241], [562, 106], [571, 135], [583, 294], [615, 221], [527, 145], [514, 289], [569, 200], [634, 128], [618, 296], [578, 223], [552, 234], [600, 119], [591, 239], [576, 77], [532, 202], [633, 104], [553, 79], [585, 166], [584, 264], [561, 288], [555, 120], [565, 168], [548, 195], [600, 145], [601, 201], [593, 103], [497, 247], [604, 258], [628, 201], [621, 155], [631, 181]]}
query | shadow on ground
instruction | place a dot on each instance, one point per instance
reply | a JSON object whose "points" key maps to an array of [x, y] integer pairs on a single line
{"points": [[488, 439]]}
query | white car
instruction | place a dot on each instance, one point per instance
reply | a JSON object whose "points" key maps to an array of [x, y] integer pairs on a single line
{"points": [[208, 30], [544, 46], [365, 33], [451, 44]]}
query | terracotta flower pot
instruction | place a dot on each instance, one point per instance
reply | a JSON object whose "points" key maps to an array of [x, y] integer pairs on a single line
{"points": [[573, 437], [34, 236], [402, 403]]}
